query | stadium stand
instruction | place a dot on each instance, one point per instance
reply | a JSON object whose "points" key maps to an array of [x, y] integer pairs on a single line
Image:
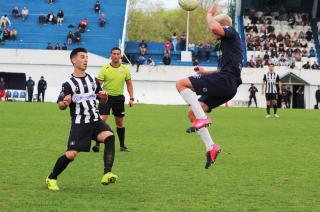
{"points": [[285, 39], [32, 35]]}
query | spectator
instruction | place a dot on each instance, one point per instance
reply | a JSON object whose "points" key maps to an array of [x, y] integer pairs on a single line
{"points": [[50, 1], [304, 53], [315, 66], [140, 61], [13, 34], [57, 47], [83, 25], [282, 61], [60, 17], [251, 63], [49, 47], [42, 86], [64, 46], [51, 18], [167, 47], [6, 34], [208, 50], [306, 66], [24, 13], [312, 52], [77, 36], [195, 62], [30, 85], [292, 63], [97, 7], [318, 97], [42, 19], [166, 59], [174, 40], [3, 87], [143, 47], [150, 61], [183, 41], [259, 62], [309, 35], [4, 20], [303, 43], [192, 47], [297, 55], [15, 12], [200, 50], [102, 20], [70, 38]]}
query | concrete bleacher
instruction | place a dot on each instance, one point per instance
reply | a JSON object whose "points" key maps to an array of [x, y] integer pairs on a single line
{"points": [[156, 52], [97, 40]]}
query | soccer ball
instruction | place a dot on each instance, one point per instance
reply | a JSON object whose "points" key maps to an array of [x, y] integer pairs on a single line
{"points": [[189, 5]]}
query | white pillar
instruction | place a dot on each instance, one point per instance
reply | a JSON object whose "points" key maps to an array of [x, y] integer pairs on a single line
{"points": [[314, 9]]}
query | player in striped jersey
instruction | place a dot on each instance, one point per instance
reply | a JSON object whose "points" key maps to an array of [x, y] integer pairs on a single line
{"points": [[80, 93], [269, 87]]}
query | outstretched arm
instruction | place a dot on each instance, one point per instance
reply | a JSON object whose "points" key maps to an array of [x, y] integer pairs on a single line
{"points": [[213, 25]]}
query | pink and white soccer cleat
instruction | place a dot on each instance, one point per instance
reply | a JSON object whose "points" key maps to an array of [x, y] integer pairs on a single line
{"points": [[200, 123], [212, 155]]}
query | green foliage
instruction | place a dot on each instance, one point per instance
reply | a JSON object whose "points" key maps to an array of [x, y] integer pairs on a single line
{"points": [[266, 164], [160, 24]]}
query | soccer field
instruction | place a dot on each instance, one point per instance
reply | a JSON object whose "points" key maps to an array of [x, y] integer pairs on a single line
{"points": [[266, 164]]}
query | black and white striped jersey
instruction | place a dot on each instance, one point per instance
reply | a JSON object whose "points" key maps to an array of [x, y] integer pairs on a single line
{"points": [[83, 90], [271, 81]]}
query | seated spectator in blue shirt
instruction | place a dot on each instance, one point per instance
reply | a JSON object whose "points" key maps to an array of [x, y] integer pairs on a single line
{"points": [[312, 53], [49, 47], [141, 60], [15, 12]]}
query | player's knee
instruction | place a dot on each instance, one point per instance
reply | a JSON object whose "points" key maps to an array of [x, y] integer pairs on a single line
{"points": [[72, 154], [179, 85], [120, 123]]}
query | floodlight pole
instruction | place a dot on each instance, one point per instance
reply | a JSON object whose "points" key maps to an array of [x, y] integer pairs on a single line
{"points": [[187, 40]]}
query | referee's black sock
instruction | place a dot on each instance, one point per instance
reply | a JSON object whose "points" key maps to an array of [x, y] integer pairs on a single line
{"points": [[268, 109], [60, 165], [108, 155], [121, 135], [275, 107]]}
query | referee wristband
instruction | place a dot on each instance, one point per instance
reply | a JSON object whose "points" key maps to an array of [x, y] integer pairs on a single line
{"points": [[131, 99]]}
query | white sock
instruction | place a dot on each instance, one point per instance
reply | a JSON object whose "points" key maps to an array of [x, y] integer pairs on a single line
{"points": [[206, 138], [191, 98]]}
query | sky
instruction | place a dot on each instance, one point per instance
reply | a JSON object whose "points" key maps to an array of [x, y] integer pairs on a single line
{"points": [[170, 4]]}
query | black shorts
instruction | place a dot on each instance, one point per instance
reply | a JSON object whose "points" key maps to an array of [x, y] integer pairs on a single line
{"points": [[215, 89], [81, 135], [116, 103], [271, 96]]}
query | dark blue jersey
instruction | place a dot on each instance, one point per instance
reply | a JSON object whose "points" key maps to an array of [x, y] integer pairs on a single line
{"points": [[231, 57]]}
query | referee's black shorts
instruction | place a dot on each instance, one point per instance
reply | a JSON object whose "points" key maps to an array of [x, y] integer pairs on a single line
{"points": [[116, 103], [271, 96], [81, 135]]}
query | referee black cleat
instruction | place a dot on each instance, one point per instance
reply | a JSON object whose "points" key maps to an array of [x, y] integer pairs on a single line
{"points": [[124, 149], [96, 148]]}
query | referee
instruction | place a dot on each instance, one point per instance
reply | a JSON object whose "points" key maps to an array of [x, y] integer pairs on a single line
{"points": [[269, 87], [113, 76]]}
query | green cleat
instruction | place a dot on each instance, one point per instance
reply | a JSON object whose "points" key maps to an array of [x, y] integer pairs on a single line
{"points": [[52, 184], [109, 178]]}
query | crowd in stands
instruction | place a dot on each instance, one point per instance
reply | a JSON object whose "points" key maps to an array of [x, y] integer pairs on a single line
{"points": [[6, 33], [282, 37]]}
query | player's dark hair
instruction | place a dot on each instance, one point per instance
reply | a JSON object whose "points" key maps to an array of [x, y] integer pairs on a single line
{"points": [[76, 51], [115, 48]]}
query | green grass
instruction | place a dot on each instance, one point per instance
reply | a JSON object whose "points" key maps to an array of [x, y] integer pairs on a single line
{"points": [[266, 164]]}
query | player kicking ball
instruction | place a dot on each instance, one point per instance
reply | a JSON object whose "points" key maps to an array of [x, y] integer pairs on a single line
{"points": [[215, 87]]}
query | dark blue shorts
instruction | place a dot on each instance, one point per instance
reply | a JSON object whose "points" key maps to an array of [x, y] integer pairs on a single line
{"points": [[215, 89]]}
